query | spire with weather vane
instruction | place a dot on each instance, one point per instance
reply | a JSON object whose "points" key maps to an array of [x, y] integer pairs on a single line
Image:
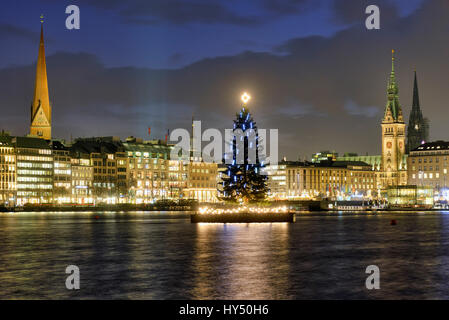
{"points": [[40, 107]]}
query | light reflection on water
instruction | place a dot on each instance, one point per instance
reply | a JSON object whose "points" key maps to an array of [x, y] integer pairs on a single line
{"points": [[252, 255], [157, 255]]}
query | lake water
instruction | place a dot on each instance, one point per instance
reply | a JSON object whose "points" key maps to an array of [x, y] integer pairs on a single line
{"points": [[161, 255]]}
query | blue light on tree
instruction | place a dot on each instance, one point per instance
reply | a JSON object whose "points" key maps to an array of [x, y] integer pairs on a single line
{"points": [[243, 181]]}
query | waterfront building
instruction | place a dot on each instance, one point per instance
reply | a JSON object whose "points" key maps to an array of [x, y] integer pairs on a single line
{"points": [[302, 180], [121, 167], [8, 190], [293, 180], [40, 106], [203, 181], [335, 179], [307, 183], [410, 196], [418, 126], [34, 160], [347, 179], [82, 180], [428, 165], [110, 163], [393, 166], [150, 170], [62, 173], [203, 176], [178, 172], [277, 181]]}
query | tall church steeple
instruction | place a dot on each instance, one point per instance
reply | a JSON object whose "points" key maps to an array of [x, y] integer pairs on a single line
{"points": [[415, 94], [393, 166], [393, 109], [418, 126], [40, 107]]}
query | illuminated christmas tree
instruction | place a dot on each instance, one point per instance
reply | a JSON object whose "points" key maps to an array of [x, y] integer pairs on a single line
{"points": [[242, 181]]}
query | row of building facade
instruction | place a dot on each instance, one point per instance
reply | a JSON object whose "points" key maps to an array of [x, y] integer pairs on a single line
{"points": [[107, 170], [99, 170], [353, 176]]}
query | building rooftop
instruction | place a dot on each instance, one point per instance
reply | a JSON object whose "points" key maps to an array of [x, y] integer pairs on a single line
{"points": [[342, 164], [326, 164], [146, 147], [97, 145], [295, 163], [433, 146], [5, 140], [29, 142], [58, 145]]}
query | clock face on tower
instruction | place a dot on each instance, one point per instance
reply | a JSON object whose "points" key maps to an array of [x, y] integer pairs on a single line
{"points": [[416, 127], [389, 144]]}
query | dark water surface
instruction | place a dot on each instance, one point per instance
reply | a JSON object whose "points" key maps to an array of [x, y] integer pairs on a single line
{"points": [[161, 255]]}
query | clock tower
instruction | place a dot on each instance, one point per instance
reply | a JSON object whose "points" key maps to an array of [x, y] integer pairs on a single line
{"points": [[393, 167]]}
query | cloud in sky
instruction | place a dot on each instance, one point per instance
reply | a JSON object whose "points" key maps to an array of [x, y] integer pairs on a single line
{"points": [[8, 30], [321, 93], [200, 11], [355, 110]]}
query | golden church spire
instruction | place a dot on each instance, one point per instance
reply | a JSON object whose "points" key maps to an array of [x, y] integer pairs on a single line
{"points": [[40, 107]]}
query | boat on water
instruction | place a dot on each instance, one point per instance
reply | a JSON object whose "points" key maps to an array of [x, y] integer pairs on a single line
{"points": [[243, 215]]}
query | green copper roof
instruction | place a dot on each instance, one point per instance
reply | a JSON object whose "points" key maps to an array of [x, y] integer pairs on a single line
{"points": [[392, 93]]}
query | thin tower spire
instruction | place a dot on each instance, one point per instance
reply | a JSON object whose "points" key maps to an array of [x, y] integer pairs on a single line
{"points": [[40, 108], [415, 104], [392, 74], [393, 107]]}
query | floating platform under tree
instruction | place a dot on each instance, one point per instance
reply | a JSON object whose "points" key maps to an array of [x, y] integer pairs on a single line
{"points": [[243, 215]]}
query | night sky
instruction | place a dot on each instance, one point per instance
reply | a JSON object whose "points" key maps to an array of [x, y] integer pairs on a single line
{"points": [[313, 69]]}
